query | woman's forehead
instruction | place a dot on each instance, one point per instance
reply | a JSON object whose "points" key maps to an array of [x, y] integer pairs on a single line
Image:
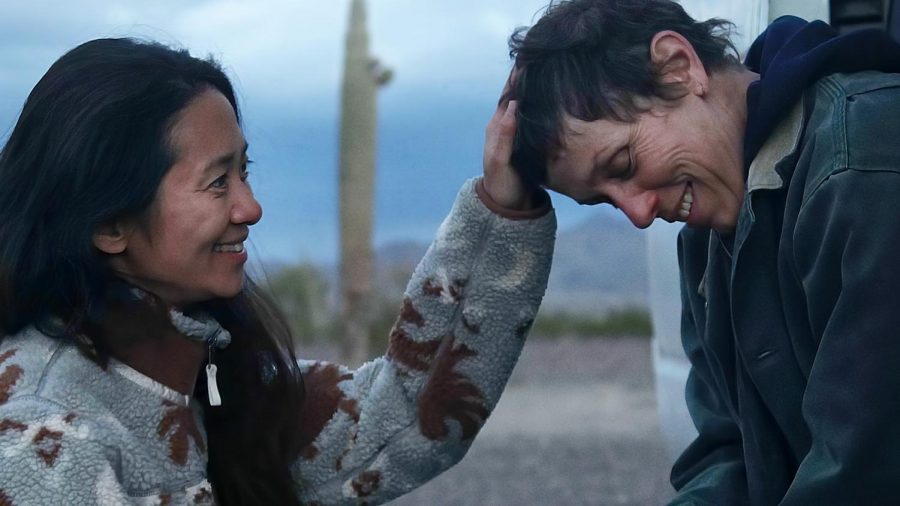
{"points": [[600, 135], [207, 128]]}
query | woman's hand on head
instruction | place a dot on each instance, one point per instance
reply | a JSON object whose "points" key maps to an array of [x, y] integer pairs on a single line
{"points": [[501, 181]]}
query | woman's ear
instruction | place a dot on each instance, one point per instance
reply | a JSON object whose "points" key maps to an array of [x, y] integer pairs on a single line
{"points": [[677, 62], [112, 238]]}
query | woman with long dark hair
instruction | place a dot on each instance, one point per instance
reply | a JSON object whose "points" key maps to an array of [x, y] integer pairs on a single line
{"points": [[139, 364]]}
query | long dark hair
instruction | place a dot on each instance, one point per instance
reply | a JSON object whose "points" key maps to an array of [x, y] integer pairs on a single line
{"points": [[92, 145]]}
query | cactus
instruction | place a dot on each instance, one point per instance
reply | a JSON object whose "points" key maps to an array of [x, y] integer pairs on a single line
{"points": [[362, 77]]}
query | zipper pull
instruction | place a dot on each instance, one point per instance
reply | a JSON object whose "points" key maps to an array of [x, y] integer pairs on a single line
{"points": [[212, 387]]}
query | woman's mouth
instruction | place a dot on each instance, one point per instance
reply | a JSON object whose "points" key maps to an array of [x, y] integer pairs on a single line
{"points": [[229, 248], [687, 201]]}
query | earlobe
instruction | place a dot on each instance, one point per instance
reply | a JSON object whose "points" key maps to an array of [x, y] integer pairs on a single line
{"points": [[677, 62], [111, 238]]}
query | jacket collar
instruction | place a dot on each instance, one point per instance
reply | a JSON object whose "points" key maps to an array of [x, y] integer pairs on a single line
{"points": [[197, 325], [784, 140]]}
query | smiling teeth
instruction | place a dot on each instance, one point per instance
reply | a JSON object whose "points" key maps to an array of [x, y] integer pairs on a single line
{"points": [[687, 200], [230, 248]]}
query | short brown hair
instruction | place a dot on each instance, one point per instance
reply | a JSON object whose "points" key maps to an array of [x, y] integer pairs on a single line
{"points": [[590, 59]]}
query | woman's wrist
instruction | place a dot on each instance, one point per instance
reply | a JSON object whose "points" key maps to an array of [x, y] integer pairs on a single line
{"points": [[533, 205]]}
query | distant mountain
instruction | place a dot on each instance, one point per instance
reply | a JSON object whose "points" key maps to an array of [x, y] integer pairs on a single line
{"points": [[598, 265], [400, 254]]}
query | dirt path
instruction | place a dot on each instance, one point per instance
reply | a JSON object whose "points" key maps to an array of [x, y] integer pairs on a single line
{"points": [[577, 425]]}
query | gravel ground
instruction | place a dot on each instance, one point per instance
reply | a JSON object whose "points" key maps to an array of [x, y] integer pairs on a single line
{"points": [[576, 425]]}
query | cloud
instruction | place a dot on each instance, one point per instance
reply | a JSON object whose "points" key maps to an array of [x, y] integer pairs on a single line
{"points": [[280, 50], [460, 41]]}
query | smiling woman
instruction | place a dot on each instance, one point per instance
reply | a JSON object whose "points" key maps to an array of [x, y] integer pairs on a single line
{"points": [[190, 248], [123, 216], [783, 174]]}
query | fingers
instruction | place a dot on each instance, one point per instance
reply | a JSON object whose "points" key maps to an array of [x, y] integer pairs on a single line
{"points": [[507, 131], [501, 181], [510, 82], [499, 137]]}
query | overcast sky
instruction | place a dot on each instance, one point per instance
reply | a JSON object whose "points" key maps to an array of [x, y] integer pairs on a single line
{"points": [[280, 49], [450, 60]]}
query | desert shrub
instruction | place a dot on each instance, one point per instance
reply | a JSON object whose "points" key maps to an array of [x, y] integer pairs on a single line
{"points": [[301, 291], [632, 321]]}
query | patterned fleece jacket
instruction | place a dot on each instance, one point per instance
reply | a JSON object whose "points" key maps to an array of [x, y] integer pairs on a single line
{"points": [[73, 433]]}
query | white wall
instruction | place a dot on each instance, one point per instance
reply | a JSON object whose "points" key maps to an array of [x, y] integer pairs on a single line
{"points": [[806, 9]]}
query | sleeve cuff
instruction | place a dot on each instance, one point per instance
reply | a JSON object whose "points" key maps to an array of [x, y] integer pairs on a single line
{"points": [[541, 199]]}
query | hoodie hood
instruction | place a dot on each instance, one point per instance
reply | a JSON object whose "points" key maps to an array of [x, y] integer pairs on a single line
{"points": [[792, 54]]}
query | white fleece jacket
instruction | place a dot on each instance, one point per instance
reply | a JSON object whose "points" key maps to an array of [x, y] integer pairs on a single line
{"points": [[72, 433]]}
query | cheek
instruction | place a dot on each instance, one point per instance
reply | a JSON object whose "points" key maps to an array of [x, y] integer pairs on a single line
{"points": [[193, 224], [654, 167], [661, 141], [181, 243], [664, 164]]}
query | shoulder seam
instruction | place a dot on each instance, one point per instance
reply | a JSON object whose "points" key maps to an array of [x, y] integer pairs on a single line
{"points": [[838, 172], [42, 382]]}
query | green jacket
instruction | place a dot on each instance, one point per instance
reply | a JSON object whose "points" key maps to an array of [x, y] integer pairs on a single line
{"points": [[792, 326]]}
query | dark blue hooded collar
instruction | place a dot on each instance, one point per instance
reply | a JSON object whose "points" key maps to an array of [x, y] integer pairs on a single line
{"points": [[791, 55]]}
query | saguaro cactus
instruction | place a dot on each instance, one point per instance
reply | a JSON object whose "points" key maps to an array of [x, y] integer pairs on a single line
{"points": [[362, 77]]}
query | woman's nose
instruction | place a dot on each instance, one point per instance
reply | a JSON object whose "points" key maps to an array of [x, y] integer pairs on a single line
{"points": [[245, 210], [641, 208]]}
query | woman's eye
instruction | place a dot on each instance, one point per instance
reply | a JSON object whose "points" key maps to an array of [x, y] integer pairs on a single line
{"points": [[623, 166], [245, 172], [220, 182]]}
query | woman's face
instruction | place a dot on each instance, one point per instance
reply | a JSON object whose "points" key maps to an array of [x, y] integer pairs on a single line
{"points": [[680, 163], [189, 245]]}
